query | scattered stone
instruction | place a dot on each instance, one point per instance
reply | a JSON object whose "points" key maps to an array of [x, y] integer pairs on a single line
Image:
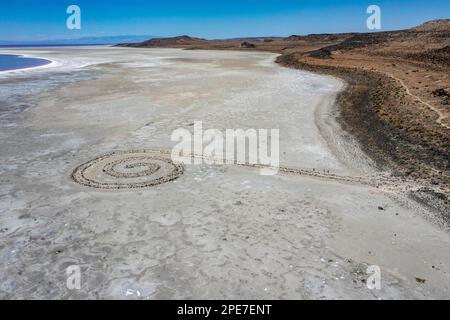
{"points": [[420, 280], [441, 93], [246, 44], [322, 53]]}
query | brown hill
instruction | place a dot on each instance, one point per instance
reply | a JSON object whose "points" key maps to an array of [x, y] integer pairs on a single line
{"points": [[167, 42], [442, 25], [320, 37], [426, 43]]}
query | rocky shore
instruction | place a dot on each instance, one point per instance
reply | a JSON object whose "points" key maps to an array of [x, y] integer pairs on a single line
{"points": [[361, 114]]}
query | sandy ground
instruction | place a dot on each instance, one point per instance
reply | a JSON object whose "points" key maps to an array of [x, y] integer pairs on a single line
{"points": [[216, 231]]}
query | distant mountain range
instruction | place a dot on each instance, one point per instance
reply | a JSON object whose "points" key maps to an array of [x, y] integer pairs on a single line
{"points": [[80, 41]]}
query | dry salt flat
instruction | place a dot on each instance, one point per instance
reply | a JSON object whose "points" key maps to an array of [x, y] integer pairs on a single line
{"points": [[100, 116]]}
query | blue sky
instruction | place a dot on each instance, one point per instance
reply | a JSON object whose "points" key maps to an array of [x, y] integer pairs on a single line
{"points": [[22, 20]]}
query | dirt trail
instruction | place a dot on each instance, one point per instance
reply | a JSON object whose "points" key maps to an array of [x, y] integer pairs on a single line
{"points": [[441, 116], [370, 65]]}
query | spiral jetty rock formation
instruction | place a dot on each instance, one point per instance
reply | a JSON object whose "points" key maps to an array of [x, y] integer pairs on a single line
{"points": [[128, 170]]}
